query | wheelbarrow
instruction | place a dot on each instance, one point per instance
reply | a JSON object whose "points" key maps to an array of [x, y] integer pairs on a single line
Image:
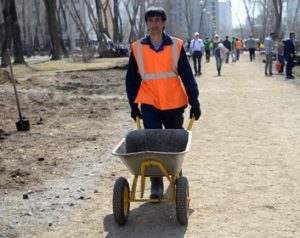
{"points": [[153, 153]]}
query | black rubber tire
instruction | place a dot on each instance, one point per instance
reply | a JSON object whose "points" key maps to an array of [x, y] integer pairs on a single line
{"points": [[182, 202], [121, 204]]}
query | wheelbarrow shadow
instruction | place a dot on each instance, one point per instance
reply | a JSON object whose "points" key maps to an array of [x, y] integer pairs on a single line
{"points": [[147, 220]]}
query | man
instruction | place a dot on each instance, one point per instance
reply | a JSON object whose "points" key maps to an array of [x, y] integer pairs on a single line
{"points": [[217, 53], [289, 54], [238, 48], [160, 80], [251, 45], [196, 48], [207, 43], [227, 44], [269, 45]]}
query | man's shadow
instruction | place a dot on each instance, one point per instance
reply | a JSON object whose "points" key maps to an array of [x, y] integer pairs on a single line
{"points": [[148, 220]]}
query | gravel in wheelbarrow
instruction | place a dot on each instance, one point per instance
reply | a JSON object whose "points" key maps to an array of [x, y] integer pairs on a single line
{"points": [[168, 146]]}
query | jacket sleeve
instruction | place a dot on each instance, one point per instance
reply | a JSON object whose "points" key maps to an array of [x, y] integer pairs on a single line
{"points": [[133, 80], [287, 49], [188, 80]]}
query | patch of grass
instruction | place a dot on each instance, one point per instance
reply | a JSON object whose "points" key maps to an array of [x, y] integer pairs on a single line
{"points": [[65, 65]]}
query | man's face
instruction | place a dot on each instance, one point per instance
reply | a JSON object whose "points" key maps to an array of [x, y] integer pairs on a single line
{"points": [[293, 36], [155, 25]]}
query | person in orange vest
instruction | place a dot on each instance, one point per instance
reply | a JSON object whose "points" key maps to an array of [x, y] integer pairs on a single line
{"points": [[160, 81], [239, 46]]}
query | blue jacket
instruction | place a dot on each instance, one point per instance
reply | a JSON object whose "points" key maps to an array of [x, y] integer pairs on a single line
{"points": [[289, 49], [133, 78]]}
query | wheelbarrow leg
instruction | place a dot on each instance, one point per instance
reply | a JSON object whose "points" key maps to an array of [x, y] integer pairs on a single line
{"points": [[157, 188]]}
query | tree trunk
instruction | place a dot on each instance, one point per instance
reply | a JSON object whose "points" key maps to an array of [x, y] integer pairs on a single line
{"points": [[18, 49], [296, 14], [7, 39], [250, 21], [132, 18], [116, 21], [53, 29], [278, 16], [12, 32], [101, 37]]}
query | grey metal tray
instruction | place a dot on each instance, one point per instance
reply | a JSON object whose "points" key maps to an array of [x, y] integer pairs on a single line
{"points": [[168, 146]]}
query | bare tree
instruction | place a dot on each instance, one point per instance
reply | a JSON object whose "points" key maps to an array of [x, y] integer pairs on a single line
{"points": [[132, 8], [141, 25], [266, 11], [188, 16], [250, 18], [38, 27], [12, 34], [2, 26], [278, 17], [201, 18], [296, 14], [102, 30], [116, 17], [74, 13], [239, 21]]}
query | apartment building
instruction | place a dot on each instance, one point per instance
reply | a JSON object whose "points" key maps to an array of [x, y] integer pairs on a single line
{"points": [[187, 17]]}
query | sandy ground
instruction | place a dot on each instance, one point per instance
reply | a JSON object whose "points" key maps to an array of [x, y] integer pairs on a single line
{"points": [[243, 169]]}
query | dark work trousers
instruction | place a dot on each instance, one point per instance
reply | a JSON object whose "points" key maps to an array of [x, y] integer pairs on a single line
{"points": [[218, 61], [227, 57], [252, 53], [197, 55], [289, 66], [157, 119], [237, 54], [207, 55]]}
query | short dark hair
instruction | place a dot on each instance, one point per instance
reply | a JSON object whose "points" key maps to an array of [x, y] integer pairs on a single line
{"points": [[292, 33], [272, 34], [155, 12]]}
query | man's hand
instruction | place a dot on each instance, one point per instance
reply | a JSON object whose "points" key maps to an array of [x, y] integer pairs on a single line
{"points": [[195, 112], [135, 112]]}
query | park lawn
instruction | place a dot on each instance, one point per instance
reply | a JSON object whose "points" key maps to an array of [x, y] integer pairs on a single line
{"points": [[67, 65]]}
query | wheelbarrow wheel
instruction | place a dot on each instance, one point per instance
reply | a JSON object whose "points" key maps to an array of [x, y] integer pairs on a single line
{"points": [[121, 202], [182, 200]]}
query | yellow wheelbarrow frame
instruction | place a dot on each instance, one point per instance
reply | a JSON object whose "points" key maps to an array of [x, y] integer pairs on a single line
{"points": [[179, 191]]}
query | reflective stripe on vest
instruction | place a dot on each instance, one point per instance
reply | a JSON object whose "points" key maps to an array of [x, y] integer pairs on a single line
{"points": [[140, 62]]}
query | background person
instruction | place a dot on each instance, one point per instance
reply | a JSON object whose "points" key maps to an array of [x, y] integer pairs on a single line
{"points": [[269, 45], [207, 47], [217, 53], [289, 54], [227, 44], [196, 48], [251, 45]]}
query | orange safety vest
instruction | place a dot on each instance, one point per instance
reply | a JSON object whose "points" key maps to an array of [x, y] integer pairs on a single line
{"points": [[161, 85], [239, 45]]}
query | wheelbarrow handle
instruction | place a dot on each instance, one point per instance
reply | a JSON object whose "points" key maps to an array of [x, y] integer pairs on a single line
{"points": [[191, 122], [138, 122], [189, 127]]}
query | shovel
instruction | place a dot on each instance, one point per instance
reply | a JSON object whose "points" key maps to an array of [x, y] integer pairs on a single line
{"points": [[23, 124]]}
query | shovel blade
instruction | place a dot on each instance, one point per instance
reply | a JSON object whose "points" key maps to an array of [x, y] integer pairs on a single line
{"points": [[23, 125]]}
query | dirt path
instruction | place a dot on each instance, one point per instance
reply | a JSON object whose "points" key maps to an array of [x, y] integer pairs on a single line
{"points": [[243, 168]]}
